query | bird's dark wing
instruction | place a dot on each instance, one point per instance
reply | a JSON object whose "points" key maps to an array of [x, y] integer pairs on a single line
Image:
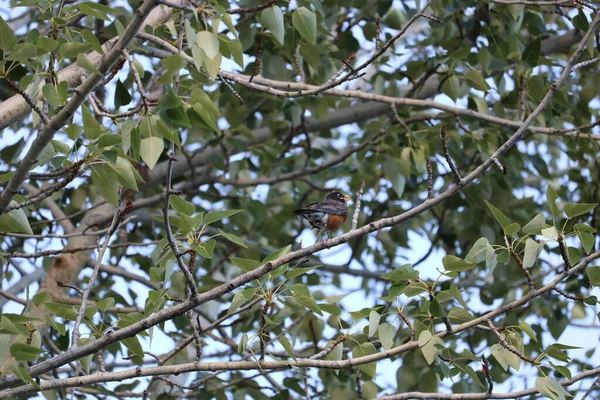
{"points": [[325, 207]]}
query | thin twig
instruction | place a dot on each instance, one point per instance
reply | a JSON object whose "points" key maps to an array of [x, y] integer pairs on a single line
{"points": [[28, 100], [429, 179], [525, 271], [508, 346], [488, 376], [117, 219], [357, 204], [408, 323], [359, 391], [564, 253], [449, 159]]}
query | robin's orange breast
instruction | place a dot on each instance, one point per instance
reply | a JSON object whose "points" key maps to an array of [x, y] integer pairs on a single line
{"points": [[334, 221]]}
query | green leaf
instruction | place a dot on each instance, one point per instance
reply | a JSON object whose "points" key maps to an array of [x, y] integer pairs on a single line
{"points": [[208, 42], [402, 273], [7, 37], [213, 64], [498, 353], [56, 95], [451, 87], [551, 233], [15, 221], [453, 263], [233, 238], [272, 19], [424, 338], [476, 80], [199, 96], [428, 344], [499, 215], [124, 171], [105, 304], [215, 216], [287, 346], [386, 335], [308, 301], [532, 251], [585, 234], [532, 52], [512, 229], [374, 319], [550, 388], [394, 175], [91, 127], [299, 271], [243, 343], [305, 22], [96, 10], [576, 209], [536, 225], [277, 253], [240, 298], [551, 197], [133, 344], [40, 298], [24, 352], [455, 291], [150, 150], [207, 118], [525, 327], [91, 38], [459, 315], [363, 350], [593, 274], [73, 49], [107, 184], [206, 249], [331, 309], [478, 252], [245, 264], [122, 95], [182, 206]]}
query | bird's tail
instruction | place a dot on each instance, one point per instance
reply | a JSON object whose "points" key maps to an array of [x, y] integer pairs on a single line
{"points": [[302, 211]]}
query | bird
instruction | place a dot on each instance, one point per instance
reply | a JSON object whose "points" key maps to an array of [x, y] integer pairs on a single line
{"points": [[326, 215]]}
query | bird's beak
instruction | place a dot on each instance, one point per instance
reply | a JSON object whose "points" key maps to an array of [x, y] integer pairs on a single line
{"points": [[346, 198]]}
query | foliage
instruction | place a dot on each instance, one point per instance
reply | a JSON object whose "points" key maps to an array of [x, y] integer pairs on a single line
{"points": [[165, 144]]}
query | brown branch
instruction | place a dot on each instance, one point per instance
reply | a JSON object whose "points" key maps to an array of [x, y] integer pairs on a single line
{"points": [[522, 97], [357, 204], [408, 323], [449, 160], [508, 346], [485, 367], [564, 253], [28, 100], [263, 326], [249, 10], [567, 295], [257, 68], [68, 285], [525, 271], [429, 179], [329, 348]]}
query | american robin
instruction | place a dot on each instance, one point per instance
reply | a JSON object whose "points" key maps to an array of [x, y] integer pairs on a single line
{"points": [[326, 215]]}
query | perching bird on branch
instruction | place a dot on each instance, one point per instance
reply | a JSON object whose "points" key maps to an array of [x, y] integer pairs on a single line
{"points": [[326, 215]]}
